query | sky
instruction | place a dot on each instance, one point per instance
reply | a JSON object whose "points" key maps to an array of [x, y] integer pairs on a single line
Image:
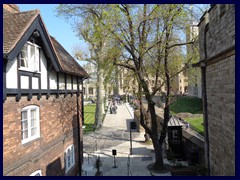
{"points": [[57, 27]]}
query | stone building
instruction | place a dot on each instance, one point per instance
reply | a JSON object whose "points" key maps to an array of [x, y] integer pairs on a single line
{"points": [[217, 62], [42, 99], [90, 85], [179, 84], [194, 87]]}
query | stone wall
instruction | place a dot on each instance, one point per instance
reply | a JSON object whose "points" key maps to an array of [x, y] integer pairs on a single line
{"points": [[221, 116], [217, 32], [58, 130], [221, 31]]}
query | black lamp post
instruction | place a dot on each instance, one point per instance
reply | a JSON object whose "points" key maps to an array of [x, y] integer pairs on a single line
{"points": [[114, 153]]}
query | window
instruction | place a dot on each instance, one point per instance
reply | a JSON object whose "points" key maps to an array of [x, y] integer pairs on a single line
{"points": [[90, 90], [30, 123], [29, 57], [37, 173], [69, 158]]}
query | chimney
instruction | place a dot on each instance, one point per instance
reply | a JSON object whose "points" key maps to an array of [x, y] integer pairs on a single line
{"points": [[13, 8]]}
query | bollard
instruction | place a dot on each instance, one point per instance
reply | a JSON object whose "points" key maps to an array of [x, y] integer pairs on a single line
{"points": [[114, 153]]}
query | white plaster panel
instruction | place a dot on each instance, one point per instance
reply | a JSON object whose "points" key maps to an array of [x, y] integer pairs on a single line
{"points": [[61, 81], [24, 82], [11, 74], [43, 71], [53, 80], [69, 83], [35, 83], [74, 82]]}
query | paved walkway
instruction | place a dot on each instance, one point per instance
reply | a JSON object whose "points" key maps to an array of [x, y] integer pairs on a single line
{"points": [[115, 134]]}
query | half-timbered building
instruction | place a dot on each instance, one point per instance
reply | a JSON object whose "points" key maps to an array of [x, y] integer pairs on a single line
{"points": [[42, 99]]}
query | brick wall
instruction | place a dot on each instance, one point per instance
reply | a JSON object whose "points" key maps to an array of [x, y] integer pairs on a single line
{"points": [[221, 116], [220, 86], [58, 130]]}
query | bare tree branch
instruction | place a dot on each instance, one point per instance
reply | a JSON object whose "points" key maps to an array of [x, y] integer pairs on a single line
{"points": [[180, 44], [128, 66]]}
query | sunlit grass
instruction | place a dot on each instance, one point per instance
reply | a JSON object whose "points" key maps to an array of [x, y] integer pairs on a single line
{"points": [[196, 123], [191, 105], [89, 117]]}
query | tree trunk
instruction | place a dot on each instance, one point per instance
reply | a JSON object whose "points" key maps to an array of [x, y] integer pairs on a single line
{"points": [[158, 165], [99, 102], [147, 137], [116, 86], [166, 108], [153, 131]]}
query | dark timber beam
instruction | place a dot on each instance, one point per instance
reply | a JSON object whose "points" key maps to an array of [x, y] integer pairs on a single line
{"points": [[4, 80]]}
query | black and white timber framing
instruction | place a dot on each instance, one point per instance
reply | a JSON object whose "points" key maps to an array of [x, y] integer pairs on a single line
{"points": [[52, 66]]}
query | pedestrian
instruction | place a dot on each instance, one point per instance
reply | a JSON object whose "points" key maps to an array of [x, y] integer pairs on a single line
{"points": [[111, 110]]}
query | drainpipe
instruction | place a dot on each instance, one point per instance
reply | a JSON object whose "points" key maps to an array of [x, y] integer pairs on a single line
{"points": [[79, 129], [82, 102], [204, 94]]}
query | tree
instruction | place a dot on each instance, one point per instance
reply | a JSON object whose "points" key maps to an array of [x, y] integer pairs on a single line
{"points": [[89, 28], [151, 39]]}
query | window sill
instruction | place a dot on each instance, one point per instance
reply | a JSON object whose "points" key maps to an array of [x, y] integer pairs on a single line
{"points": [[30, 141], [28, 70]]}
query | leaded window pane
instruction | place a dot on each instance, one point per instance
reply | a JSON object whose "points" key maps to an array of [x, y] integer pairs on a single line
{"points": [[24, 134], [33, 131], [33, 114], [29, 123], [24, 57], [69, 157], [24, 115], [33, 123], [33, 118], [24, 125]]}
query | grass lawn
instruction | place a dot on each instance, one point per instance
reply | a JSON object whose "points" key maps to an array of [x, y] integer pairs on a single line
{"points": [[191, 105], [196, 123], [187, 104], [89, 117]]}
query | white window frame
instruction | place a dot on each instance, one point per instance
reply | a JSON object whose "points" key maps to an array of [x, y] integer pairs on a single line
{"points": [[28, 110], [36, 172], [69, 157], [32, 64]]}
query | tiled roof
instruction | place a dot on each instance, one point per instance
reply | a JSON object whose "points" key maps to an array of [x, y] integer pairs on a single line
{"points": [[173, 121], [14, 26], [67, 62]]}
